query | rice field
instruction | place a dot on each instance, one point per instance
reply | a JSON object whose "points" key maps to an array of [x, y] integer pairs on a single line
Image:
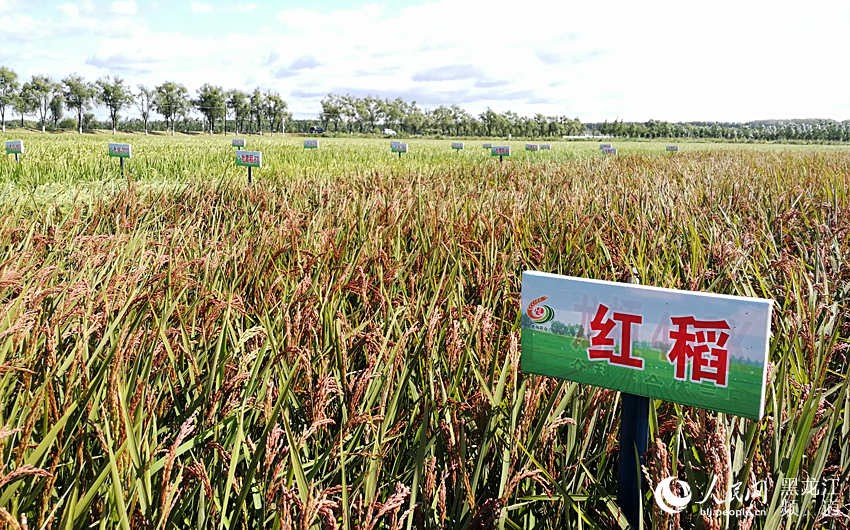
{"points": [[337, 344]]}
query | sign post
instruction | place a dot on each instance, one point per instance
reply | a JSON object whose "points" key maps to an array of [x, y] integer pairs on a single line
{"points": [[250, 159], [698, 349], [500, 151], [634, 433], [15, 147], [398, 147], [121, 151]]}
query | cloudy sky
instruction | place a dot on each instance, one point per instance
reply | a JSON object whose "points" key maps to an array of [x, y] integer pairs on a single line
{"points": [[722, 60]]}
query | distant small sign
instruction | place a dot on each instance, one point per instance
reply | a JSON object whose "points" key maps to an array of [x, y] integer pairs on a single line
{"points": [[487, 146], [457, 145], [604, 146], [311, 144], [609, 150], [238, 142], [398, 147], [121, 150], [532, 147], [500, 150], [15, 147], [545, 147], [249, 158], [700, 349], [672, 148]]}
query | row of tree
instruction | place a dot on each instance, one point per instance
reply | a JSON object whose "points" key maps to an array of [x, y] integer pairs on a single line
{"points": [[262, 110], [47, 99], [777, 130], [368, 114]]}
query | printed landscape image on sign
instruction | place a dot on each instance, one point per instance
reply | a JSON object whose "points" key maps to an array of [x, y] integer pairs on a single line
{"points": [[500, 150], [700, 349], [249, 158], [531, 147], [457, 145], [398, 147], [15, 147], [121, 150], [311, 144], [238, 142]]}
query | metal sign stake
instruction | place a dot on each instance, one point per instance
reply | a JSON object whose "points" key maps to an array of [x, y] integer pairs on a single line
{"points": [[634, 433]]}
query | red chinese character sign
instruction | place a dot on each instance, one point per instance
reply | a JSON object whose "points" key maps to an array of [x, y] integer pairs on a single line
{"points": [[700, 349], [249, 158], [120, 150]]}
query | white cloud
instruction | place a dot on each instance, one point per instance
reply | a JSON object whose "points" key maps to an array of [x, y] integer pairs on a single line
{"points": [[69, 10], [123, 8], [201, 7], [730, 60]]}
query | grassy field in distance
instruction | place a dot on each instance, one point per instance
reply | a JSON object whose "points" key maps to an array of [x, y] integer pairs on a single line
{"points": [[339, 343]]}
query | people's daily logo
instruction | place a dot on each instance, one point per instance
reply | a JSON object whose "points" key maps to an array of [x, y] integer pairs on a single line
{"points": [[671, 502]]}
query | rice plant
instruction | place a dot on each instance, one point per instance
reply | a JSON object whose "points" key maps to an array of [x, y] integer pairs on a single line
{"points": [[337, 344]]}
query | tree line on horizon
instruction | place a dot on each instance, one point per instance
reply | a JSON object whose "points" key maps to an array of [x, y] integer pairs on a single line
{"points": [[47, 99], [262, 110]]}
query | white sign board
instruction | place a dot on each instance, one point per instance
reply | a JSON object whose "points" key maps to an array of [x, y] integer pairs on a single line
{"points": [[121, 150], [15, 147], [701, 349]]}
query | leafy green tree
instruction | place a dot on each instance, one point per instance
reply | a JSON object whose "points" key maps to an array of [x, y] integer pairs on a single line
{"points": [[348, 111], [40, 90], [441, 119], [144, 102], [211, 103], [275, 110], [414, 118], [257, 104], [115, 95], [540, 123], [459, 118], [171, 101], [558, 328], [374, 111], [88, 121], [331, 111], [57, 108], [394, 113], [78, 95], [24, 102], [8, 91], [488, 121], [237, 101]]}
